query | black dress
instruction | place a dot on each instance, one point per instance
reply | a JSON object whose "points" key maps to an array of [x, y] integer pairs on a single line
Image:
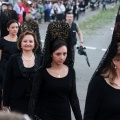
{"points": [[102, 102], [21, 104], [18, 83], [52, 97], [8, 48]]}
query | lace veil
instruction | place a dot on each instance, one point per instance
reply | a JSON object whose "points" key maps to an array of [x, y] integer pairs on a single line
{"points": [[110, 52], [58, 30]]}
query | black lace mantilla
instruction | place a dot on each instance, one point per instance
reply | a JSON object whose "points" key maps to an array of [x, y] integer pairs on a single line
{"points": [[110, 52], [58, 30]]}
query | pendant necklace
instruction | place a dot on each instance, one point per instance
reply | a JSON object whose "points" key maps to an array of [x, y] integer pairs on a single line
{"points": [[58, 75], [27, 59]]}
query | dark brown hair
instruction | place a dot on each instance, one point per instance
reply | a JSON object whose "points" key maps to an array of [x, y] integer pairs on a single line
{"points": [[11, 22], [56, 45], [23, 35]]}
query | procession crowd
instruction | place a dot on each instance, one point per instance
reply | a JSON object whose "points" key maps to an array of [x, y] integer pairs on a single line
{"points": [[41, 82]]}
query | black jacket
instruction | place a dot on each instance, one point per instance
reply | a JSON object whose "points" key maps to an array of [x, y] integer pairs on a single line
{"points": [[16, 78]]}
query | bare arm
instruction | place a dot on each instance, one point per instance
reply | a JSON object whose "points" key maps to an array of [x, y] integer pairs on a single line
{"points": [[80, 35]]}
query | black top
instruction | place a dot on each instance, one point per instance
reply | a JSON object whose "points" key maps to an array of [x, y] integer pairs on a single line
{"points": [[17, 78], [51, 97], [102, 101], [29, 86], [8, 48]]}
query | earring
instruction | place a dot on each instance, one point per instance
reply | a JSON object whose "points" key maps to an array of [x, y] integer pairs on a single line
{"points": [[115, 67]]}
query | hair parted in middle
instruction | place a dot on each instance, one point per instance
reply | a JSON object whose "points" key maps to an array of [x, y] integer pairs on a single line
{"points": [[23, 35]]}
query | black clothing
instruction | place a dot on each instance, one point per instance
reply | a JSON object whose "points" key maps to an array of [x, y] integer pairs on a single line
{"points": [[117, 18], [8, 48], [102, 101], [17, 81], [73, 31], [75, 12], [51, 97]]}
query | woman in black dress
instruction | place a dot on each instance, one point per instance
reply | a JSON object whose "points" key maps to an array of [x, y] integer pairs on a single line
{"points": [[103, 96], [54, 88], [8, 47], [20, 72]]}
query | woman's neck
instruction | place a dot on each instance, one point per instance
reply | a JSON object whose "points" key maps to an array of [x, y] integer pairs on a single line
{"points": [[12, 36], [27, 53], [56, 66]]}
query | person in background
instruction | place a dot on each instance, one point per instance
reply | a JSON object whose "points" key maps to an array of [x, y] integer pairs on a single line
{"points": [[60, 10], [26, 6], [46, 12], [20, 72], [54, 88], [19, 9], [10, 6], [8, 47], [74, 29], [75, 10], [103, 94], [41, 10]]}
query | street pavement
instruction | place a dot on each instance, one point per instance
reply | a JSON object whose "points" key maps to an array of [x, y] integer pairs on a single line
{"points": [[96, 45]]}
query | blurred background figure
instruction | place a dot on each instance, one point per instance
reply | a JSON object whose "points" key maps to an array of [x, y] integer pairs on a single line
{"points": [[41, 10], [19, 9]]}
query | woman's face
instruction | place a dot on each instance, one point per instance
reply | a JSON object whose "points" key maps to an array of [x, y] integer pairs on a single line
{"points": [[4, 7], [28, 43], [59, 56], [13, 29], [10, 7]]}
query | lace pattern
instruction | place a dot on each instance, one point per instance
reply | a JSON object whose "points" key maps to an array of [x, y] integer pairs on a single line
{"points": [[110, 52], [58, 30]]}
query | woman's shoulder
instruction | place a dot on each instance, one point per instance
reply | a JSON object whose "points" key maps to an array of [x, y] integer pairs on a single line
{"points": [[14, 56], [97, 82]]}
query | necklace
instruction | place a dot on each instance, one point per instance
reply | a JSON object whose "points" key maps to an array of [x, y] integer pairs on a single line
{"points": [[58, 74], [27, 59], [116, 84]]}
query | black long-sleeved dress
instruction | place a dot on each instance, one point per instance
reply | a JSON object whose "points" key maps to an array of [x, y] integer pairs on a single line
{"points": [[8, 48], [51, 97], [102, 101]]}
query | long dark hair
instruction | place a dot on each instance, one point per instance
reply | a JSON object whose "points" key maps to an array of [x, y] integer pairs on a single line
{"points": [[10, 22]]}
